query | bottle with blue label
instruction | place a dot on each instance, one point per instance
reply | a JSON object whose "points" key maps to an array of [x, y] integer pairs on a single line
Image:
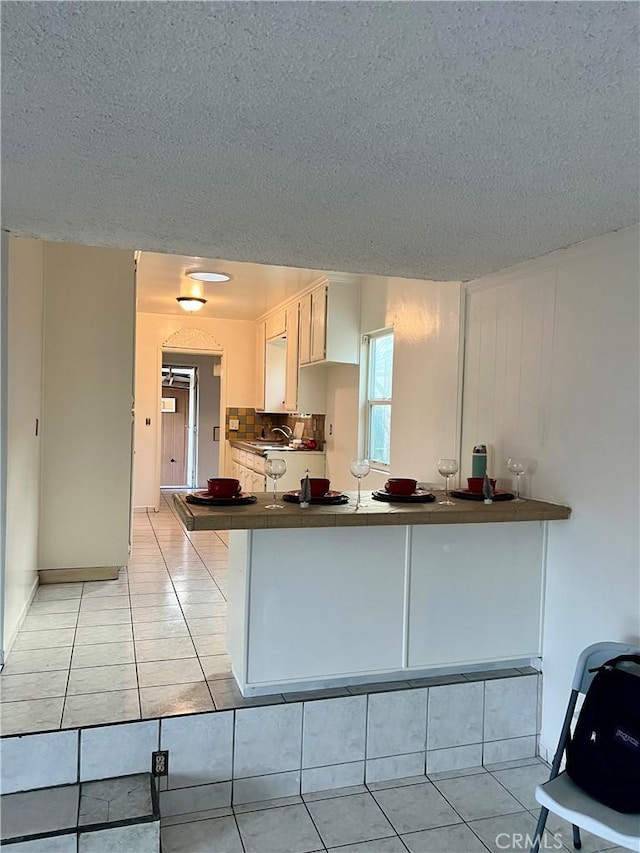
{"points": [[479, 460]]}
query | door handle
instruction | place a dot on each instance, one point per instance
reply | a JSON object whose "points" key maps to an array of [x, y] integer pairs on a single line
{"points": [[172, 460]]}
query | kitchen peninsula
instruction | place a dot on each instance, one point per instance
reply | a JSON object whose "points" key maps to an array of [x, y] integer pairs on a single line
{"points": [[331, 595]]}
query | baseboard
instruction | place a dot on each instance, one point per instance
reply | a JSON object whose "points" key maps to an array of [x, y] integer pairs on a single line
{"points": [[90, 573], [545, 751], [23, 614]]}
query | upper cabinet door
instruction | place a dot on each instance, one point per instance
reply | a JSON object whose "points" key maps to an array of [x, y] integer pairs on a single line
{"points": [[276, 325], [291, 381], [304, 340], [260, 366], [318, 324]]}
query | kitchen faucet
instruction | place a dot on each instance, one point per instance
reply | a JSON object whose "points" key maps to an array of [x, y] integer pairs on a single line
{"points": [[285, 430]]}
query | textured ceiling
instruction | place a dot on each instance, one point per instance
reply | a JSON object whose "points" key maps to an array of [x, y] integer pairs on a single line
{"points": [[437, 140]]}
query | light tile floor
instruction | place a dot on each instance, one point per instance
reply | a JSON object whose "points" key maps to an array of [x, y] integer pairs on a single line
{"points": [[150, 644], [468, 811]]}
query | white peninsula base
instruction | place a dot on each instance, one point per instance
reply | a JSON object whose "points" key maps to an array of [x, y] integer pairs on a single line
{"points": [[324, 607]]}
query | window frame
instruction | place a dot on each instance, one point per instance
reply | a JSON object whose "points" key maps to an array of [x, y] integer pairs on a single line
{"points": [[370, 403]]}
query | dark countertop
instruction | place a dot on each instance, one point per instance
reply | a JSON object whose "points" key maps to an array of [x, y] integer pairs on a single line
{"points": [[262, 448]]}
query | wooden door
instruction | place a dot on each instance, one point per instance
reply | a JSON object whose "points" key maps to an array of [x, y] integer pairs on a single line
{"points": [[174, 439]]}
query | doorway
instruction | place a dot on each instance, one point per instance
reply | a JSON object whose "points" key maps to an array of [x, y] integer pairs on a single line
{"points": [[179, 426], [190, 442]]}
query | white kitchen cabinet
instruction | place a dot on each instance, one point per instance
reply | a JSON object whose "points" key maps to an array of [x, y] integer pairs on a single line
{"points": [[305, 391], [297, 463], [490, 576], [275, 374], [318, 324], [276, 324], [296, 577], [260, 366], [291, 368], [304, 332], [330, 323], [314, 608], [321, 327], [249, 468]]}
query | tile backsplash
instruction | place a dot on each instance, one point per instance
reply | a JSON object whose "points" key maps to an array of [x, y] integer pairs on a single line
{"points": [[252, 424]]}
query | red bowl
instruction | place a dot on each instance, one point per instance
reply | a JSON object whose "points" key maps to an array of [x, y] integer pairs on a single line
{"points": [[223, 487], [319, 486], [401, 486], [475, 484]]}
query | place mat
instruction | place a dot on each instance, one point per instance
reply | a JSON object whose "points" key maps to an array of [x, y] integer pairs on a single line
{"points": [[335, 498], [466, 495], [420, 496], [206, 499]]}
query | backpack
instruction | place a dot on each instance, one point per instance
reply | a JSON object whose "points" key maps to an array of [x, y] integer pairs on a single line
{"points": [[603, 756]]}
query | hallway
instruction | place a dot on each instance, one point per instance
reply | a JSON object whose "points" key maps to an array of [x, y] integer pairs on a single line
{"points": [[150, 644]]}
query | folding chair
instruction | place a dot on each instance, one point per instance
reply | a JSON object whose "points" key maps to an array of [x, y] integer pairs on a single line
{"points": [[565, 799]]}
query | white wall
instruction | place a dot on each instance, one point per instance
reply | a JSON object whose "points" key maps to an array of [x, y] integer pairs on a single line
{"points": [[24, 366], [87, 428], [425, 317], [4, 393], [551, 372], [208, 411], [236, 338]]}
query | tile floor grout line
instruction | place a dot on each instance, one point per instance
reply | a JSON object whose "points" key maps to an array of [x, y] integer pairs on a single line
{"points": [[471, 829], [505, 787], [315, 825], [66, 689], [235, 820], [448, 801], [133, 641]]}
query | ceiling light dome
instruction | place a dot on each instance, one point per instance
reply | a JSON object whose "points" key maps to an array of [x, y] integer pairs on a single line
{"points": [[190, 303], [204, 275]]}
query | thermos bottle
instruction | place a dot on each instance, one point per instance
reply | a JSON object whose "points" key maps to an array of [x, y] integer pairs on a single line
{"points": [[479, 460]]}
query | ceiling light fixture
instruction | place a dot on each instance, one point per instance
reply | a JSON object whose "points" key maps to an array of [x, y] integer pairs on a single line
{"points": [[203, 275], [190, 303]]}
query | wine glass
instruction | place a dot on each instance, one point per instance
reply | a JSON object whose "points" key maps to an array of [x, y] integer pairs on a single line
{"points": [[447, 467], [517, 466], [275, 468], [359, 468]]}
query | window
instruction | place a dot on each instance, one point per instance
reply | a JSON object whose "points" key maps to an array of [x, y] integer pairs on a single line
{"points": [[379, 379]]}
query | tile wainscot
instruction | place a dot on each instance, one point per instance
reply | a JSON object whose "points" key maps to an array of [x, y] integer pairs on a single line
{"points": [[330, 595]]}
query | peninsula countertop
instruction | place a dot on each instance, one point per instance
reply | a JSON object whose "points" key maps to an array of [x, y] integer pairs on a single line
{"points": [[374, 514]]}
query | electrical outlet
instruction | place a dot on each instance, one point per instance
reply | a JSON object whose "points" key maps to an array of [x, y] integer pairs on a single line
{"points": [[160, 762], [234, 424]]}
